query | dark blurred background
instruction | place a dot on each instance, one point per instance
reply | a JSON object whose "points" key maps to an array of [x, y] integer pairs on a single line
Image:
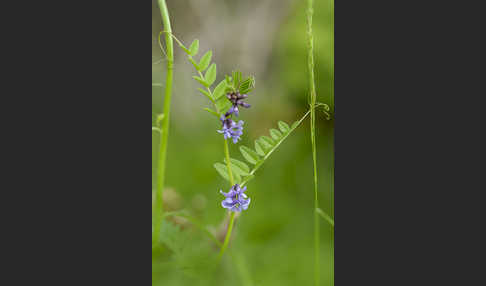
{"points": [[273, 239]]}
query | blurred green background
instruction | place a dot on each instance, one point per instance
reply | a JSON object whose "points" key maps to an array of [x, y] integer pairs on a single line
{"points": [[272, 242]]}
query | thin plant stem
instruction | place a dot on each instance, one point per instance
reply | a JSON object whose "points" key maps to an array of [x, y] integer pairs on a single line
{"points": [[228, 234], [310, 60], [232, 217], [331, 181], [226, 153], [165, 123]]}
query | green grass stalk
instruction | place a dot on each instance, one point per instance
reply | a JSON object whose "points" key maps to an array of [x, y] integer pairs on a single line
{"points": [[310, 61], [331, 100], [158, 211]]}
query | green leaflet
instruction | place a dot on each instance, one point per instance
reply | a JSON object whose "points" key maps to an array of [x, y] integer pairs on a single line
{"points": [[210, 75], [212, 112], [201, 81], [193, 49], [266, 146], [206, 93], [219, 90], [284, 127], [247, 85], [268, 141], [205, 60], [223, 104], [239, 167], [250, 155], [277, 135], [259, 148], [222, 170]]}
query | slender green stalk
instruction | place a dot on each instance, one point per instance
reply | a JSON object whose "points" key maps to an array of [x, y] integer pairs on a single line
{"points": [[331, 183], [165, 123], [310, 59], [232, 217], [228, 234], [226, 153]]}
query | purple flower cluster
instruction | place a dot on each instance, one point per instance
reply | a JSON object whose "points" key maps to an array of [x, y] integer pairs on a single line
{"points": [[236, 200], [236, 99], [230, 128]]}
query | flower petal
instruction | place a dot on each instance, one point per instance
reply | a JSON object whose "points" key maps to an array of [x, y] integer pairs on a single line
{"points": [[228, 203]]}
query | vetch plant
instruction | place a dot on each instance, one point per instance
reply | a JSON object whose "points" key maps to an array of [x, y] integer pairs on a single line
{"points": [[229, 98]]}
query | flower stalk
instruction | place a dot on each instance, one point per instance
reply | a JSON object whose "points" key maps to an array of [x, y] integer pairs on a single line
{"points": [[232, 217]]}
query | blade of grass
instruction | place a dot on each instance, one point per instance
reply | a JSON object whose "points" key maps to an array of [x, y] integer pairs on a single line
{"points": [[310, 61]]}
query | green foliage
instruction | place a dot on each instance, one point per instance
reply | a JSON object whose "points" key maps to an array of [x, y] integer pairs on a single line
{"points": [[264, 146], [247, 85], [205, 60], [284, 127], [235, 83], [208, 78], [239, 170], [239, 167], [277, 135], [223, 104], [222, 170], [194, 48], [259, 148], [250, 155], [210, 75], [200, 80], [173, 237], [266, 230], [212, 112], [219, 90], [206, 93], [267, 141]]}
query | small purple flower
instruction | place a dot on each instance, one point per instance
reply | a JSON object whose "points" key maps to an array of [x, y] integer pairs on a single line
{"points": [[233, 109], [231, 129], [236, 200], [236, 99]]}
